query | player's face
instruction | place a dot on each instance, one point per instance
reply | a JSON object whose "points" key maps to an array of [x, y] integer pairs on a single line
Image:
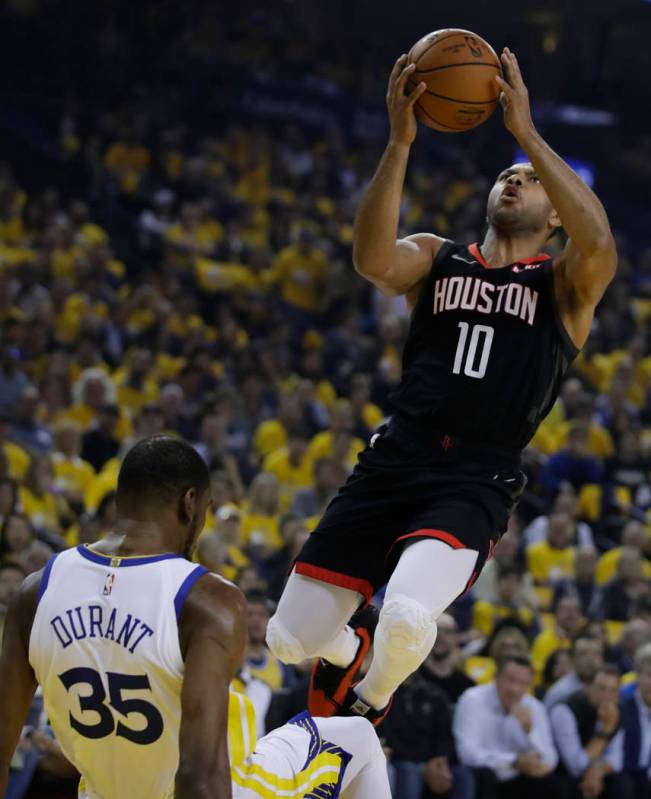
{"points": [[518, 203]]}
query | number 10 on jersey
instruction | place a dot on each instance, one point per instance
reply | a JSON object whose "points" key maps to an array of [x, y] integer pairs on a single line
{"points": [[466, 358]]}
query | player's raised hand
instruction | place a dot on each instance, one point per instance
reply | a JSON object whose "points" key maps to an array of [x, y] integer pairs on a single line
{"points": [[514, 97], [400, 102]]}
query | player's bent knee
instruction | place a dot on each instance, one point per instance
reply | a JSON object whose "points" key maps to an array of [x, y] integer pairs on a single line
{"points": [[361, 728], [406, 625], [354, 734], [283, 644], [368, 746], [366, 742]]}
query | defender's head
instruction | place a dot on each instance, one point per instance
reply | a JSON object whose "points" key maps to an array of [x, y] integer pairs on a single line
{"points": [[518, 204], [164, 480]]}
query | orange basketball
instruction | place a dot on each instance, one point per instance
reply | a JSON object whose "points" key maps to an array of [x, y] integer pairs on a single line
{"points": [[459, 69]]}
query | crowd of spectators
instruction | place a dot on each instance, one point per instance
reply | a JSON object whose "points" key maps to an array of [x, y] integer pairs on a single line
{"points": [[204, 288]]}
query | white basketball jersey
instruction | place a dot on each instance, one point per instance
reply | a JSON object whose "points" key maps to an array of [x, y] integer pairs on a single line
{"points": [[105, 648]]}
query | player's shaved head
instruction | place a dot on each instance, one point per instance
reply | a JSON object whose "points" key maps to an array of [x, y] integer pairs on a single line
{"points": [[159, 470]]}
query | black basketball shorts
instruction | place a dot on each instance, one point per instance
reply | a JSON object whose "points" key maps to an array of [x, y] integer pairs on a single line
{"points": [[407, 486]]}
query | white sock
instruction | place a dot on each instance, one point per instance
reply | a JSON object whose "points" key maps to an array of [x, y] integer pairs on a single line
{"points": [[429, 576]]}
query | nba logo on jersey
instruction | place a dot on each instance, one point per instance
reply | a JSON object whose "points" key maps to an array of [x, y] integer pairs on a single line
{"points": [[108, 584]]}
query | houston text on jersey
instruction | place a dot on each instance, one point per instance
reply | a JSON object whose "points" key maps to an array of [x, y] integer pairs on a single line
{"points": [[474, 294]]}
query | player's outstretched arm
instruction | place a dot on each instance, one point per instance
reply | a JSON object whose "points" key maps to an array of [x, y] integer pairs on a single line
{"points": [[588, 263], [213, 636], [393, 266], [17, 680]]}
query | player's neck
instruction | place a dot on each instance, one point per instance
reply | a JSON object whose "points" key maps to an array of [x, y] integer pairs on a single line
{"points": [[500, 250], [135, 537]]}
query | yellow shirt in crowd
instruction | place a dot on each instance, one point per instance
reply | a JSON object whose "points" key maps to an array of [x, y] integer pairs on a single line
{"points": [[372, 415], [269, 436], [291, 478], [74, 474], [480, 669], [18, 460], [545, 643], [599, 443], [301, 277], [102, 484], [486, 614], [547, 563], [259, 530], [268, 670], [43, 511], [134, 399], [607, 566], [84, 415], [321, 446]]}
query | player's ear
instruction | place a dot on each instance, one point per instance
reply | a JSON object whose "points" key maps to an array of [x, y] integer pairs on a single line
{"points": [[554, 220], [188, 506]]}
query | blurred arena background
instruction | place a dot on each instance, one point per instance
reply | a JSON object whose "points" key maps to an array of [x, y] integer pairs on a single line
{"points": [[177, 188]]}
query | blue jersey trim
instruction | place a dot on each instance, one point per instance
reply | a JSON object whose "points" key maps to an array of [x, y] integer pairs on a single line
{"points": [[116, 561], [306, 722], [316, 746], [186, 587], [45, 578]]}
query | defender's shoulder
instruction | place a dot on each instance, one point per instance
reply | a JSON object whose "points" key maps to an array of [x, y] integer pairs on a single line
{"points": [[214, 606], [24, 603], [212, 590]]}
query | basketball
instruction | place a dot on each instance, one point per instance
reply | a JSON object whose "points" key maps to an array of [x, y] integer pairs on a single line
{"points": [[459, 69]]}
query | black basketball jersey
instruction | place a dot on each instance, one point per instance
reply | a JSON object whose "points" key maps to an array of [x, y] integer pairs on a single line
{"points": [[486, 350]]}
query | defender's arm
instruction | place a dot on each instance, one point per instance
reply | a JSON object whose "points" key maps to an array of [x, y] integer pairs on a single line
{"points": [[213, 635], [17, 680]]}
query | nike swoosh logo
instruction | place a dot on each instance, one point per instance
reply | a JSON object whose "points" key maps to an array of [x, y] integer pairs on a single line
{"points": [[465, 260]]}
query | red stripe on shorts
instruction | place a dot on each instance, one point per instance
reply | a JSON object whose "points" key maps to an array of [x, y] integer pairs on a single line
{"points": [[471, 581], [336, 578], [441, 535]]}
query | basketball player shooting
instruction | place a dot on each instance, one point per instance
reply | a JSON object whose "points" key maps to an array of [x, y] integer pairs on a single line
{"points": [[135, 648], [494, 327]]}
